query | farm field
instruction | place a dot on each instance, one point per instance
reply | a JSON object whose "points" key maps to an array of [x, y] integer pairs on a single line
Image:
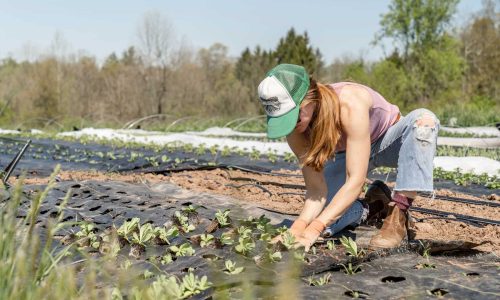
{"points": [[138, 219]]}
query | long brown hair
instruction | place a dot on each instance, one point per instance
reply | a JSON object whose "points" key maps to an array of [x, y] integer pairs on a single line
{"points": [[325, 128]]}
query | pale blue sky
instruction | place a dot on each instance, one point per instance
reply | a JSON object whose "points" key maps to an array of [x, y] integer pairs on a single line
{"points": [[101, 27]]}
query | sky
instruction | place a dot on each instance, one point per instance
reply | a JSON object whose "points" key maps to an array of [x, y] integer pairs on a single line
{"points": [[98, 28]]}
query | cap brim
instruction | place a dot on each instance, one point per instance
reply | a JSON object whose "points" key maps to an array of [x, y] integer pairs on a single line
{"points": [[278, 127]]}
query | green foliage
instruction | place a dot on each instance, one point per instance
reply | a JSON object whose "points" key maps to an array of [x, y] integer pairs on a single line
{"points": [[295, 49], [222, 217], [244, 246], [206, 240], [320, 281], [146, 233], [349, 269], [182, 250], [231, 268], [351, 246]]}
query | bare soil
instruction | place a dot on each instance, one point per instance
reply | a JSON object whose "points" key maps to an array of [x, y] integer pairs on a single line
{"points": [[286, 195]]}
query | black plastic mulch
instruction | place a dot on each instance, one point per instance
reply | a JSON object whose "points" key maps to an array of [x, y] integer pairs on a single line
{"points": [[383, 274]]}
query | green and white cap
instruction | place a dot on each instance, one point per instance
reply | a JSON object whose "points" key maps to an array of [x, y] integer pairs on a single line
{"points": [[281, 93]]}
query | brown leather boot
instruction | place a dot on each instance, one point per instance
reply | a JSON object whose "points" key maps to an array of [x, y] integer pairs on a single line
{"points": [[377, 197], [393, 231]]}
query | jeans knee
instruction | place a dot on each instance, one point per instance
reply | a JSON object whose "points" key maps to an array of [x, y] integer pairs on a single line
{"points": [[425, 126]]}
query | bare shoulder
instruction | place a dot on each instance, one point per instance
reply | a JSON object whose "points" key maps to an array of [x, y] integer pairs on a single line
{"points": [[355, 96]]}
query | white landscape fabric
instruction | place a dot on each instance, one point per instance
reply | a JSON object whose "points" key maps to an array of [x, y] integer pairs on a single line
{"points": [[477, 165]]}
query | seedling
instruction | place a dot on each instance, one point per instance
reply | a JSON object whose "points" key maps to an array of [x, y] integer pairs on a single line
{"points": [[255, 154], [182, 250], [192, 285], [245, 245], [231, 268], [183, 222], [201, 149], [226, 238], [222, 217], [330, 245], [206, 240], [272, 256], [225, 151], [128, 227], [166, 259], [288, 239], [163, 235], [213, 150], [140, 239], [350, 269], [244, 232], [299, 255], [351, 247], [272, 156], [319, 281]]}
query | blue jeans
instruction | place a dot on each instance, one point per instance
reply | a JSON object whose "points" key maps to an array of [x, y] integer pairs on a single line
{"points": [[406, 146]]}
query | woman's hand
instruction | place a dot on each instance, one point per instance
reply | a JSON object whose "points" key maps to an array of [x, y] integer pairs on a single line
{"points": [[310, 234]]}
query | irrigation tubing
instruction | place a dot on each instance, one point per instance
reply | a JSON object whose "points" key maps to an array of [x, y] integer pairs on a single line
{"points": [[455, 215], [462, 200]]}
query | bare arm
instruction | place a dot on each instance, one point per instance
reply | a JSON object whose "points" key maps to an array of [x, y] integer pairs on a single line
{"points": [[316, 189], [355, 120]]}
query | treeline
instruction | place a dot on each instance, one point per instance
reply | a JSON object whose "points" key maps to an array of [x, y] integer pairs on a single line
{"points": [[453, 71]]}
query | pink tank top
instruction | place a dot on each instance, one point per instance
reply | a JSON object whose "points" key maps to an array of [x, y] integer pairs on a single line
{"points": [[382, 114]]}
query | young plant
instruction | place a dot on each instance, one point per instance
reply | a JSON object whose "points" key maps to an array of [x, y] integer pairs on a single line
{"points": [[145, 234], [192, 285], [162, 235], [288, 239], [231, 268], [128, 227], [226, 238], [244, 246], [351, 247], [222, 217], [206, 240], [183, 222], [139, 240], [272, 256], [166, 259], [244, 232], [350, 270], [320, 281], [182, 250], [330, 245]]}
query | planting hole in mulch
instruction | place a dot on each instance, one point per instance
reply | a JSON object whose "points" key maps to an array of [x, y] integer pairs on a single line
{"points": [[391, 279], [438, 292], [357, 294]]}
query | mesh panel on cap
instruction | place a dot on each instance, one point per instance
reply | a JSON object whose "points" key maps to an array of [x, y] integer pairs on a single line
{"points": [[294, 78]]}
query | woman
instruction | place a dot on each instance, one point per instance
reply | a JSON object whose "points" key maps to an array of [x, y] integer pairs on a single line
{"points": [[339, 132]]}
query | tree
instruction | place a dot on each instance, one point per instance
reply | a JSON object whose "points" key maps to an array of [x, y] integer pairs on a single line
{"points": [[295, 49], [429, 55], [156, 40], [416, 25], [480, 47]]}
